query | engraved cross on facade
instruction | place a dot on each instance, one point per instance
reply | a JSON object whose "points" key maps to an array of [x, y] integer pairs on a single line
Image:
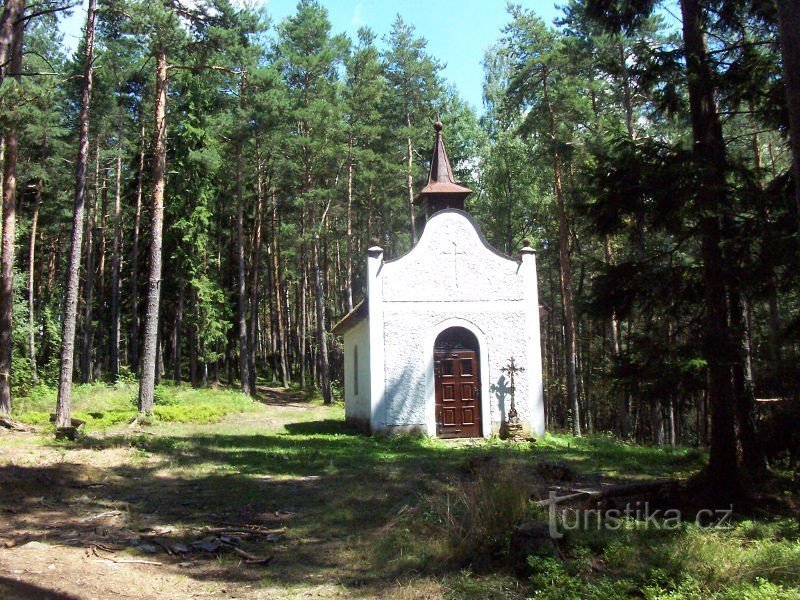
{"points": [[454, 252]]}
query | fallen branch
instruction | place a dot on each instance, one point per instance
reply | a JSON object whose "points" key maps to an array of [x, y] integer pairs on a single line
{"points": [[132, 561], [102, 515], [612, 491], [243, 530], [11, 424], [251, 559]]}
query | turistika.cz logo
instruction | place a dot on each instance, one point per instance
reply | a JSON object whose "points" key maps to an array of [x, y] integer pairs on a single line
{"points": [[639, 516]]}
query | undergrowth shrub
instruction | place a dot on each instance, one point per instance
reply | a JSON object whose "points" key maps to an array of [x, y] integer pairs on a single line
{"points": [[482, 511], [467, 521]]}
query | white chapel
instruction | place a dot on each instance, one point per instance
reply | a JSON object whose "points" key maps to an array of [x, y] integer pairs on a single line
{"points": [[428, 349]]}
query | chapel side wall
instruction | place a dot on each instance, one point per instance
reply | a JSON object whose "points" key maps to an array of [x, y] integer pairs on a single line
{"points": [[357, 405]]}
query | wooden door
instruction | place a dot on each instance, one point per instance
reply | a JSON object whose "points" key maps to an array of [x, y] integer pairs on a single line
{"points": [[458, 405]]}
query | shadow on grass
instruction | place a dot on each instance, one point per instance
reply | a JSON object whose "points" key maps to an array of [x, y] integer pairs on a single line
{"points": [[325, 484], [331, 487], [323, 427], [282, 397]]}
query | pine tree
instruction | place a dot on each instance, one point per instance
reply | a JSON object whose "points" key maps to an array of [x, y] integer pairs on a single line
{"points": [[414, 89], [64, 402], [11, 46]]}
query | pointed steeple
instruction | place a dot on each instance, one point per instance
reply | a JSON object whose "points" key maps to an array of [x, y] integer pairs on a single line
{"points": [[442, 190]]}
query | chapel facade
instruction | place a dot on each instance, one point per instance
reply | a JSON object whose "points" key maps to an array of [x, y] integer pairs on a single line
{"points": [[428, 350]]}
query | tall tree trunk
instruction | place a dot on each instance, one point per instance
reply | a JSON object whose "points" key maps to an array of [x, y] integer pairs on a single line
{"points": [[789, 29], [709, 152], [88, 292], [349, 224], [255, 274], [410, 182], [673, 431], [244, 372], [177, 335], [147, 383], [2, 177], [282, 342], [14, 7], [322, 344], [623, 421], [302, 319], [193, 344], [98, 357], [31, 273], [133, 342], [64, 402], [9, 20], [753, 458], [116, 260], [567, 301]]}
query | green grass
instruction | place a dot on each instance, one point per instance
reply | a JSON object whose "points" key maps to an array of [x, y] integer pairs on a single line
{"points": [[745, 561], [102, 406], [615, 458], [410, 512]]}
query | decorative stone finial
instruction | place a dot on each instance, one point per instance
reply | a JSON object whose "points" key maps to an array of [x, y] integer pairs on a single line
{"points": [[374, 249], [526, 249], [438, 126]]}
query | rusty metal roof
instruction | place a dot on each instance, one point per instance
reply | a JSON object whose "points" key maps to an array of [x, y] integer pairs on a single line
{"points": [[440, 178]]}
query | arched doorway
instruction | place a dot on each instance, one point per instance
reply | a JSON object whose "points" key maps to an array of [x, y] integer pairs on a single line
{"points": [[456, 365]]}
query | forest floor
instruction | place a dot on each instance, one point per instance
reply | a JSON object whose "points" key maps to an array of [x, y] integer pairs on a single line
{"points": [[156, 511]]}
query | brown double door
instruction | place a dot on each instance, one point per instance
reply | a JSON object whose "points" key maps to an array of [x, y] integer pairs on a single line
{"points": [[458, 407]]}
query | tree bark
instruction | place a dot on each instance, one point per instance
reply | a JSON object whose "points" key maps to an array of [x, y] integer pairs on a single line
{"points": [[244, 367], [753, 458], [302, 317], [410, 183], [8, 22], [349, 224], [709, 152], [177, 335], [281, 328], [134, 289], [64, 402], [116, 260], [148, 380], [31, 273], [88, 300], [98, 357], [322, 344], [255, 274], [623, 421], [15, 7]]}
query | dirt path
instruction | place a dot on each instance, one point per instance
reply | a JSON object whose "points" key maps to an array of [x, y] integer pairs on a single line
{"points": [[87, 521]]}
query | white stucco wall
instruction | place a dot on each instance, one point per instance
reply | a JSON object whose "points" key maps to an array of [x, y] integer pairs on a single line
{"points": [[452, 278], [357, 405]]}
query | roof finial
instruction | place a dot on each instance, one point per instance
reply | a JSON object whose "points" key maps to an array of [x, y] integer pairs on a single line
{"points": [[442, 187]]}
